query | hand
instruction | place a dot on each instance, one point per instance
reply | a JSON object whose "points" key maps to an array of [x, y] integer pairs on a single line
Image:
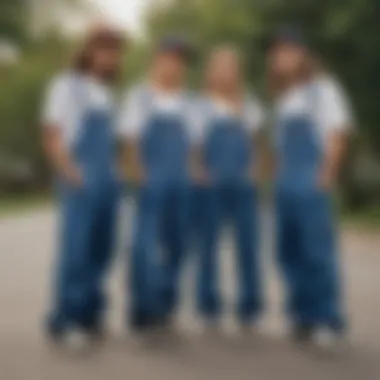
{"points": [[253, 175], [200, 177], [137, 176], [326, 180], [73, 175]]}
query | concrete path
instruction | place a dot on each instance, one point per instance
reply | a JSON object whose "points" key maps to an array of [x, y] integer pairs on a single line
{"points": [[26, 256]]}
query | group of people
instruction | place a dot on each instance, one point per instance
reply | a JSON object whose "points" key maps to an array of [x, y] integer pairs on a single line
{"points": [[195, 160]]}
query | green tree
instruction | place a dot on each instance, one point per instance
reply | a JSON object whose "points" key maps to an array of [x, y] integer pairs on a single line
{"points": [[345, 34], [12, 20], [23, 83]]}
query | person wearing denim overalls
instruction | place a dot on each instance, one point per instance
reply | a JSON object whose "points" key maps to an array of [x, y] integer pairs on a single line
{"points": [[229, 118], [312, 118], [154, 122], [79, 139]]}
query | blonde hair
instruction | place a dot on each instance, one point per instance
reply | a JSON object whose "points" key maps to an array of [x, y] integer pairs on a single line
{"points": [[223, 50]]}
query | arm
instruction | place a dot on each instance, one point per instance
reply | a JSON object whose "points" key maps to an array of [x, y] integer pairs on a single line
{"points": [[196, 125], [261, 166], [337, 121], [197, 169], [57, 106], [58, 155], [335, 151], [131, 162], [131, 118]]}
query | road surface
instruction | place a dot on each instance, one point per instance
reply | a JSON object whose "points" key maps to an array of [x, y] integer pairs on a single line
{"points": [[26, 253]]}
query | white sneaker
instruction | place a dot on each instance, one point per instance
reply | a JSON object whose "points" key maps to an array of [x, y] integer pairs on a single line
{"points": [[328, 341], [206, 326], [76, 341], [231, 328]]}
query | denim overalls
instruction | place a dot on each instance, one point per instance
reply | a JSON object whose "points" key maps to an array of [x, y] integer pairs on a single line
{"points": [[88, 218], [231, 195], [160, 231], [305, 222]]}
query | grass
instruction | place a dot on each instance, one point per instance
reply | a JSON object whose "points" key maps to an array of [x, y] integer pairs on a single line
{"points": [[16, 204], [368, 218]]}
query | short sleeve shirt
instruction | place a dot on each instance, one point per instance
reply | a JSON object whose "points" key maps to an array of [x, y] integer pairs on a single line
{"points": [[206, 109], [141, 102], [324, 100], [67, 99]]}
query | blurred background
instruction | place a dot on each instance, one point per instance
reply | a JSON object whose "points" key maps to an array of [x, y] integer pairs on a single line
{"points": [[38, 36]]}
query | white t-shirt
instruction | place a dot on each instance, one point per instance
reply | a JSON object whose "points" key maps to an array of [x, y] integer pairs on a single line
{"points": [[206, 109], [142, 101], [69, 96], [323, 100]]}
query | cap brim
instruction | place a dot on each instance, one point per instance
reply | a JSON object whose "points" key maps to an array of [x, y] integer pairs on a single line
{"points": [[184, 53], [285, 35], [181, 48]]}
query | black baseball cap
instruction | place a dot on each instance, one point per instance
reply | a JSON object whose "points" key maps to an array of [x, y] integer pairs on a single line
{"points": [[179, 45]]}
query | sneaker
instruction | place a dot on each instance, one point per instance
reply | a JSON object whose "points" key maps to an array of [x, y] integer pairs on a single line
{"points": [[69, 338], [97, 333], [209, 326], [139, 323], [77, 341], [328, 340], [55, 336], [250, 328], [231, 327], [303, 333]]}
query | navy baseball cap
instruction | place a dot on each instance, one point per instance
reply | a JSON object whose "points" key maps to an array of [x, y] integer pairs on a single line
{"points": [[178, 45], [290, 35]]}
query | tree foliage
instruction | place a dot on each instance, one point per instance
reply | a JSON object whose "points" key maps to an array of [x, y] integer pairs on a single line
{"points": [[22, 86], [346, 34], [13, 20]]}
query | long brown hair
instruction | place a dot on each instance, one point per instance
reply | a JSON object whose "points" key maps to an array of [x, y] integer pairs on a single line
{"points": [[102, 37]]}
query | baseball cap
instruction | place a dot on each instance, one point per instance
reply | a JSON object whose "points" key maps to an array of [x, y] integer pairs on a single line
{"points": [[290, 35], [179, 45]]}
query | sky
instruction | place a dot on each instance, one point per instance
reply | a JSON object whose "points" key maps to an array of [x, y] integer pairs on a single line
{"points": [[125, 13]]}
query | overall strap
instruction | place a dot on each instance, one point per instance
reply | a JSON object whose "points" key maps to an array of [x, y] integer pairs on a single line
{"points": [[314, 101], [145, 99], [240, 117], [248, 102], [80, 95], [313, 98], [185, 114], [79, 92], [187, 98], [184, 107], [207, 114]]}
